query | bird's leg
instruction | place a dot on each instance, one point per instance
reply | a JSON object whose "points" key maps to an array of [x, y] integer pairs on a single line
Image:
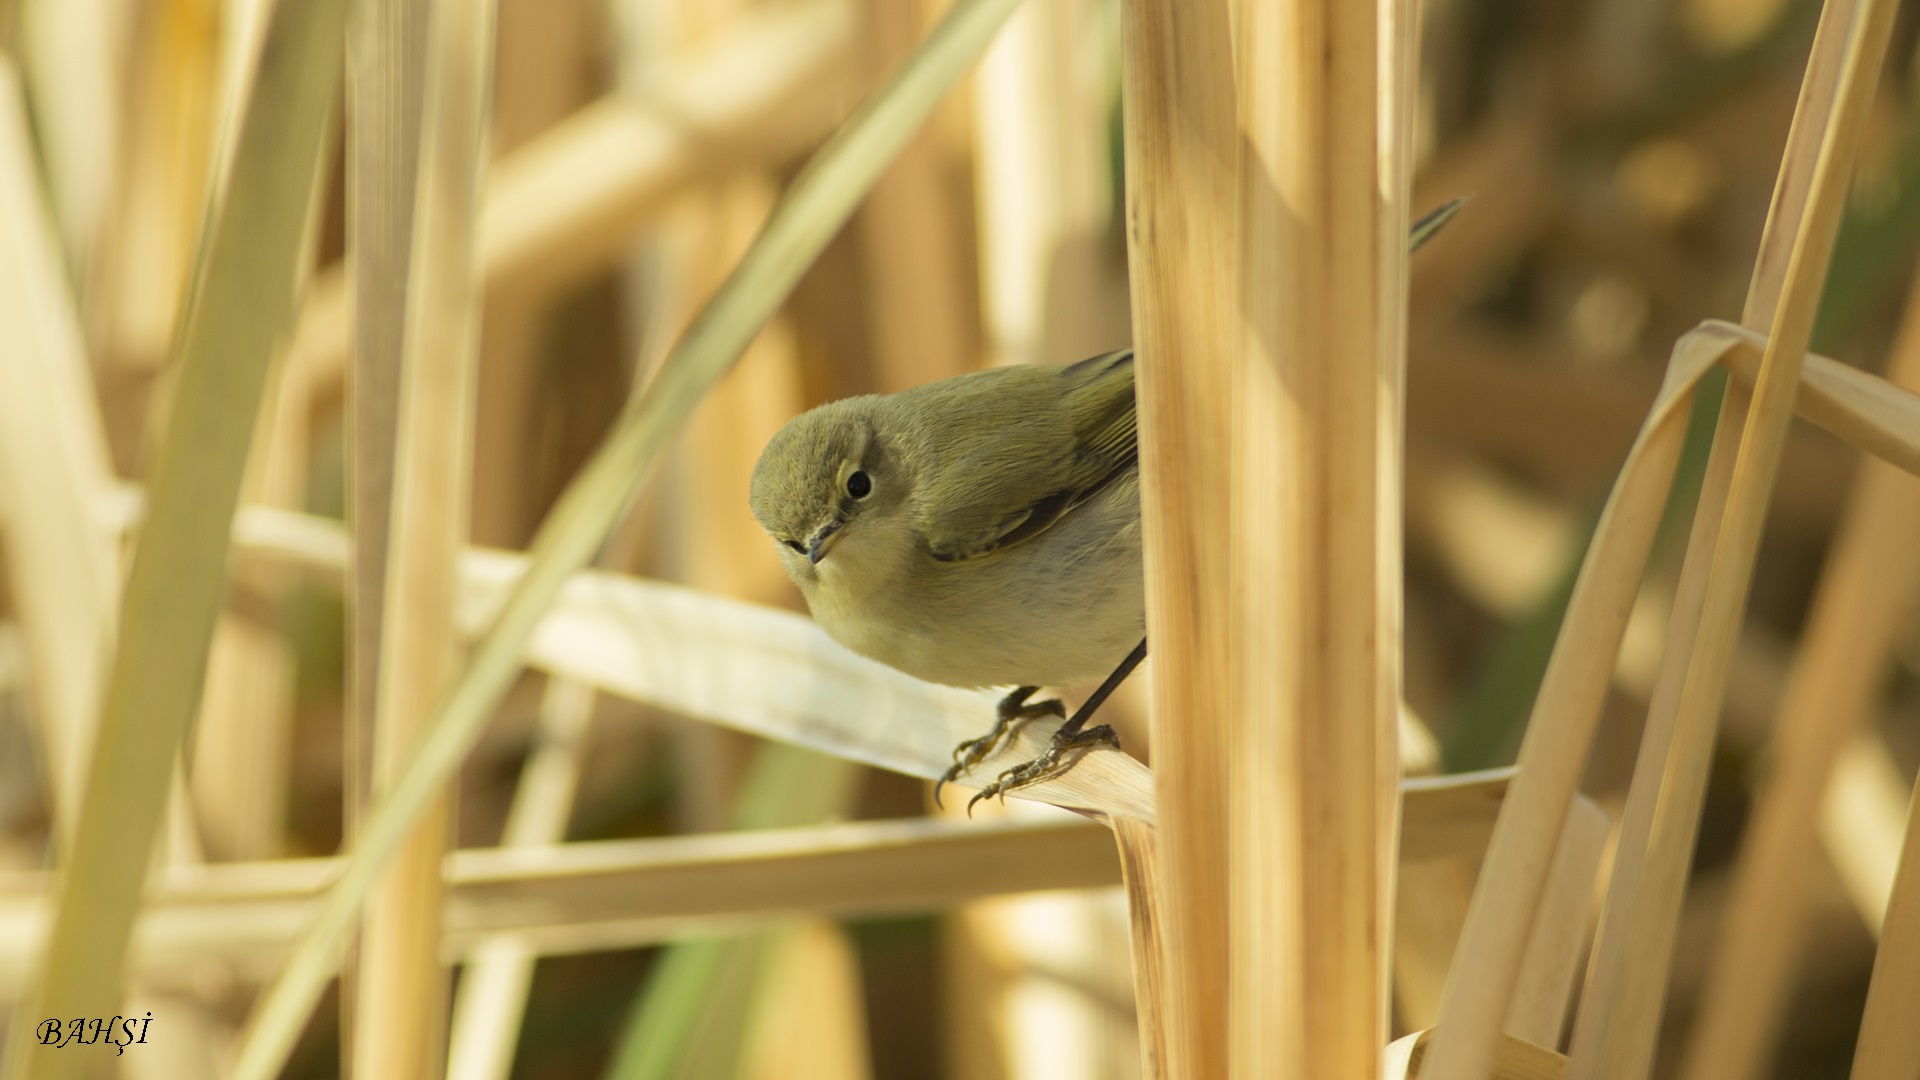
{"points": [[1073, 739], [1014, 710]]}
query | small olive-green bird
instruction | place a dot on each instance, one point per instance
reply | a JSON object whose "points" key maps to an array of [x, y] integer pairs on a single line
{"points": [[982, 530]]}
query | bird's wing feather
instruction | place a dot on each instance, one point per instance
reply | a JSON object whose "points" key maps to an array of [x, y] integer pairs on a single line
{"points": [[1058, 446]]}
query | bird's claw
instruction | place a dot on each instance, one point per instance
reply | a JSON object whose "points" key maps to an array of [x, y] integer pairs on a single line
{"points": [[1013, 711], [1063, 755]]}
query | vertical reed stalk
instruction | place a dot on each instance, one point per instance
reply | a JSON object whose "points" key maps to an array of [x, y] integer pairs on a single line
{"points": [[386, 78], [492, 1000], [1182, 160], [1315, 582], [401, 1026], [385, 86], [1620, 1019]]}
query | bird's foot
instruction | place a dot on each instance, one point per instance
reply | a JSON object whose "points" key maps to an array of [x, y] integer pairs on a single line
{"points": [[1013, 711], [1067, 750]]}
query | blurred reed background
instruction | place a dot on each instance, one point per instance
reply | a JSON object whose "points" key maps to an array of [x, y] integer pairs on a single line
{"points": [[536, 201]]}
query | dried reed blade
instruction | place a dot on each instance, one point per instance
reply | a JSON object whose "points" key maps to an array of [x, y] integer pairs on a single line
{"points": [[242, 299], [1560, 731], [63, 569], [400, 1027], [1869, 578], [1314, 556], [691, 652], [820, 200], [1874, 414], [1621, 1011], [1146, 916], [570, 200], [1410, 1058], [1550, 969], [1182, 150], [1433, 899]]}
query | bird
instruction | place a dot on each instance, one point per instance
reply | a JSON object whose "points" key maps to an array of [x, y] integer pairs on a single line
{"points": [[979, 531]]}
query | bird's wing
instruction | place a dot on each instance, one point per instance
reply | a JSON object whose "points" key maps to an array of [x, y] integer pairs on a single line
{"points": [[1068, 431]]}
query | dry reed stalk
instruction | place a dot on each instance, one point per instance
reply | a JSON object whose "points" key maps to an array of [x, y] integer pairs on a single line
{"points": [[400, 1026], [63, 570], [386, 88], [1621, 1012], [1315, 567], [1889, 1043], [602, 895], [1182, 150], [498, 973], [1857, 612], [814, 209], [241, 300], [569, 200]]}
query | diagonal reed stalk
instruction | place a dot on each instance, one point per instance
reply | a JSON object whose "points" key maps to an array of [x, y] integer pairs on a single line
{"points": [[242, 299], [819, 201]]}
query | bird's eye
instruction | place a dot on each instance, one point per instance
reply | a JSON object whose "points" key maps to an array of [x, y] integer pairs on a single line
{"points": [[859, 485], [796, 545]]}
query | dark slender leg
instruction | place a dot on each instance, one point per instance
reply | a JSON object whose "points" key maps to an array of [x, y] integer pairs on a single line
{"points": [[1074, 737], [1014, 710]]}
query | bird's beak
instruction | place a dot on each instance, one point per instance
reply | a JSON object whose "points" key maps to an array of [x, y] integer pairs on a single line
{"points": [[817, 549]]}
